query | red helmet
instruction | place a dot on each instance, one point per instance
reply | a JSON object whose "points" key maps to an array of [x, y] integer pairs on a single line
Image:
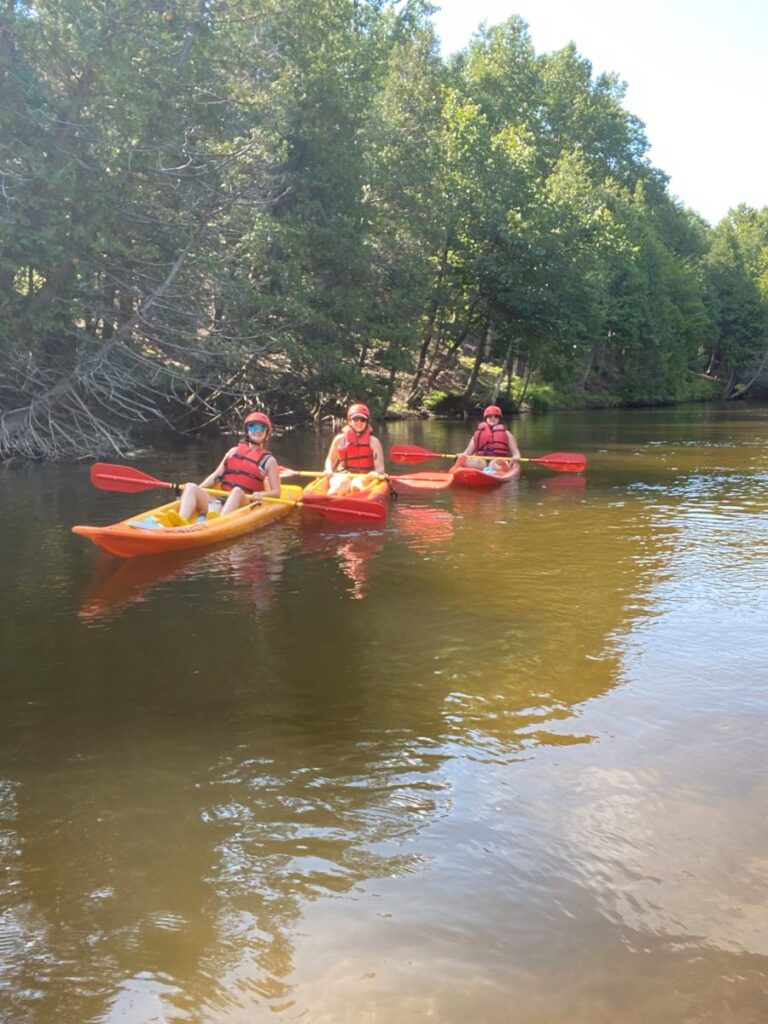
{"points": [[259, 417], [492, 410], [358, 410]]}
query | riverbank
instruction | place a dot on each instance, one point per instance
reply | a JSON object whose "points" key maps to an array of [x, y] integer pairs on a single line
{"points": [[175, 425], [518, 395]]}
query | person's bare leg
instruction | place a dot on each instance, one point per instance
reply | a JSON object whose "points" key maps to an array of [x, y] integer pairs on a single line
{"points": [[193, 499], [235, 499], [339, 484]]}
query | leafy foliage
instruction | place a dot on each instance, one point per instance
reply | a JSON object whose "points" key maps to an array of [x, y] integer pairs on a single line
{"points": [[210, 204]]}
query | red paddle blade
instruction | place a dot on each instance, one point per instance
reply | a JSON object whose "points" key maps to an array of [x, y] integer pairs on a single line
{"points": [[345, 509], [413, 453], [123, 478], [563, 462], [415, 483]]}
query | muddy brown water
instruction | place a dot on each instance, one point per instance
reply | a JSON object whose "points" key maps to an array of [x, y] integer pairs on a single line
{"points": [[501, 760]]}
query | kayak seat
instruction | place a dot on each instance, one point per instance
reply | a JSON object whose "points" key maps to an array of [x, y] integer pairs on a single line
{"points": [[148, 523]]}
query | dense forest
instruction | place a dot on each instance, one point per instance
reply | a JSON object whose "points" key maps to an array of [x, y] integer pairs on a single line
{"points": [[207, 205]]}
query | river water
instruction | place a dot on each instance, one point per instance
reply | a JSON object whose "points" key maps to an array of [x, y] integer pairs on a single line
{"points": [[501, 761]]}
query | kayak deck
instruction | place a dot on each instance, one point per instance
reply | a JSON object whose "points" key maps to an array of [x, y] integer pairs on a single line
{"points": [[153, 532], [363, 488], [468, 476]]}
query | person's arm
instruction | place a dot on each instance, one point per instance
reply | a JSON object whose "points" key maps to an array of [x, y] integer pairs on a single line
{"points": [[378, 455], [218, 473], [272, 483], [470, 449], [513, 446], [333, 455]]}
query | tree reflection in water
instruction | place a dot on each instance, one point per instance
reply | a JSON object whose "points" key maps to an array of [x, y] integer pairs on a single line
{"points": [[216, 808]]}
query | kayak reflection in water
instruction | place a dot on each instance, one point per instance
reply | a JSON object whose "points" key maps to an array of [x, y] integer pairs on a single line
{"points": [[250, 569], [354, 450], [352, 551], [490, 439], [247, 468]]}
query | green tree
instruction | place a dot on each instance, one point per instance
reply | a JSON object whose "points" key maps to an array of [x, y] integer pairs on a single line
{"points": [[737, 269], [124, 158]]}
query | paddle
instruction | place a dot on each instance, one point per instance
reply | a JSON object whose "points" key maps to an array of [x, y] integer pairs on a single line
{"points": [[563, 462], [407, 482], [111, 477]]}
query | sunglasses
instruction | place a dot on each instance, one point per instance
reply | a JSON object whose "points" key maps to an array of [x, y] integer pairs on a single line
{"points": [[257, 426], [359, 419]]}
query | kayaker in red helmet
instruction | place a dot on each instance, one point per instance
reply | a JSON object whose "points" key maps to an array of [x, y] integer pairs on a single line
{"points": [[354, 451], [491, 438], [248, 471]]}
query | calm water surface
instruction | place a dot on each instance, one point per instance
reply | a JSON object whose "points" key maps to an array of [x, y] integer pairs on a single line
{"points": [[501, 761]]}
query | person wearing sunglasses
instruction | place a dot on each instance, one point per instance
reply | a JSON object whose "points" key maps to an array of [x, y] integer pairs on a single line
{"points": [[248, 471], [354, 451], [490, 439]]}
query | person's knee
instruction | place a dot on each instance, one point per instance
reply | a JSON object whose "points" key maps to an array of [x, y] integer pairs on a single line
{"points": [[235, 499]]}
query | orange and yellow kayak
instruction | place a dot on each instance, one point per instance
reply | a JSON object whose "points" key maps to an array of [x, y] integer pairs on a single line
{"points": [[369, 487], [156, 531]]}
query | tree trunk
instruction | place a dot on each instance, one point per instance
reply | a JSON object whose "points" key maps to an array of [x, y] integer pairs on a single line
{"points": [[389, 391], [505, 371], [482, 351], [414, 392], [41, 417], [740, 392], [363, 355], [728, 386], [588, 365], [526, 382], [433, 374]]}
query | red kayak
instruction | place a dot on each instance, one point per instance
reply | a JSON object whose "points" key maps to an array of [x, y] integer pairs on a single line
{"points": [[483, 479], [371, 488]]}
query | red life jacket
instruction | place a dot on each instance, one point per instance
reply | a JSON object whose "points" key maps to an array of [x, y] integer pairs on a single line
{"points": [[245, 468], [491, 440], [355, 452]]}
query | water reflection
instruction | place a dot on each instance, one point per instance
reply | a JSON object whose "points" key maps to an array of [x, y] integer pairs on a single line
{"points": [[355, 549], [527, 766], [251, 566], [563, 485], [184, 888], [423, 528], [352, 548], [656, 847], [486, 508]]}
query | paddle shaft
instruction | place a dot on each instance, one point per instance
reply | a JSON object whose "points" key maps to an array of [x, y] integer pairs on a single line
{"points": [[125, 478], [564, 462], [339, 508], [402, 483], [342, 506]]}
